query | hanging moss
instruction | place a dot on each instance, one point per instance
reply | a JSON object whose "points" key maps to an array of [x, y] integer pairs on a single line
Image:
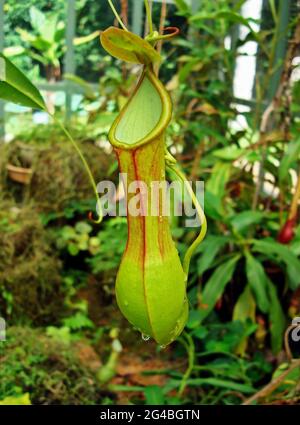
{"points": [[31, 287]]}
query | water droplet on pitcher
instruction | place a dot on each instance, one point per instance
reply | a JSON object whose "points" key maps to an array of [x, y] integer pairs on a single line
{"points": [[162, 347], [126, 303], [145, 337]]}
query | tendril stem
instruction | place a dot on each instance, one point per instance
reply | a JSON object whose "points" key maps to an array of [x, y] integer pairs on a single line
{"points": [[117, 15], [149, 16], [86, 166], [171, 165]]}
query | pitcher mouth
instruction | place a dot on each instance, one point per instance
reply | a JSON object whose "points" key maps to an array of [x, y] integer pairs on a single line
{"points": [[157, 127]]}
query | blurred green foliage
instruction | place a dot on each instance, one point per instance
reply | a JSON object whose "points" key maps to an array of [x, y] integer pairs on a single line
{"points": [[244, 283]]}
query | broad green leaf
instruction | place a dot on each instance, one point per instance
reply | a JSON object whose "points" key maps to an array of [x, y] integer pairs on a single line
{"points": [[291, 155], [276, 318], [210, 247], [16, 88], [244, 309], [154, 395], [14, 51], [49, 30], [182, 6], [245, 306], [257, 280], [229, 153], [213, 206], [194, 319], [243, 220], [193, 64], [37, 19], [129, 47], [233, 17], [220, 383], [219, 178], [83, 227], [215, 286], [281, 253]]}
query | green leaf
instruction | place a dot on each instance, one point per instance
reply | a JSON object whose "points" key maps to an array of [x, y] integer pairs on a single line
{"points": [[291, 155], [215, 286], [37, 19], [129, 47], [48, 32], [125, 388], [244, 310], [276, 319], [83, 227], [73, 249], [16, 88], [154, 395], [213, 206], [281, 253], [78, 321], [219, 178], [14, 51], [243, 220], [257, 280], [229, 153], [233, 17], [245, 306], [194, 319], [210, 247], [220, 383], [182, 6]]}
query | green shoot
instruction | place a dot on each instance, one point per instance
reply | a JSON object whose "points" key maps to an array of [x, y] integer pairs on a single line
{"points": [[117, 15], [85, 164], [171, 165], [149, 16]]}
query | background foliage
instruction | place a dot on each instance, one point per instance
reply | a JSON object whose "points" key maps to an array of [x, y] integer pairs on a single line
{"points": [[66, 341]]}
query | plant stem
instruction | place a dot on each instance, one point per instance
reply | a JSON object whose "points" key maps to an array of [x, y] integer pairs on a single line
{"points": [[200, 212], [271, 387], [190, 349], [85, 164], [124, 11], [117, 15], [163, 16], [149, 16]]}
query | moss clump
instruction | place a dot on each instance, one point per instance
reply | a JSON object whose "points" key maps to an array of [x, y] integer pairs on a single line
{"points": [[50, 370], [31, 286], [58, 176]]}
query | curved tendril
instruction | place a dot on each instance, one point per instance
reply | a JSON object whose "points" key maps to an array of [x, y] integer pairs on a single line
{"points": [[155, 36], [117, 15], [87, 168], [171, 165], [149, 16]]}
